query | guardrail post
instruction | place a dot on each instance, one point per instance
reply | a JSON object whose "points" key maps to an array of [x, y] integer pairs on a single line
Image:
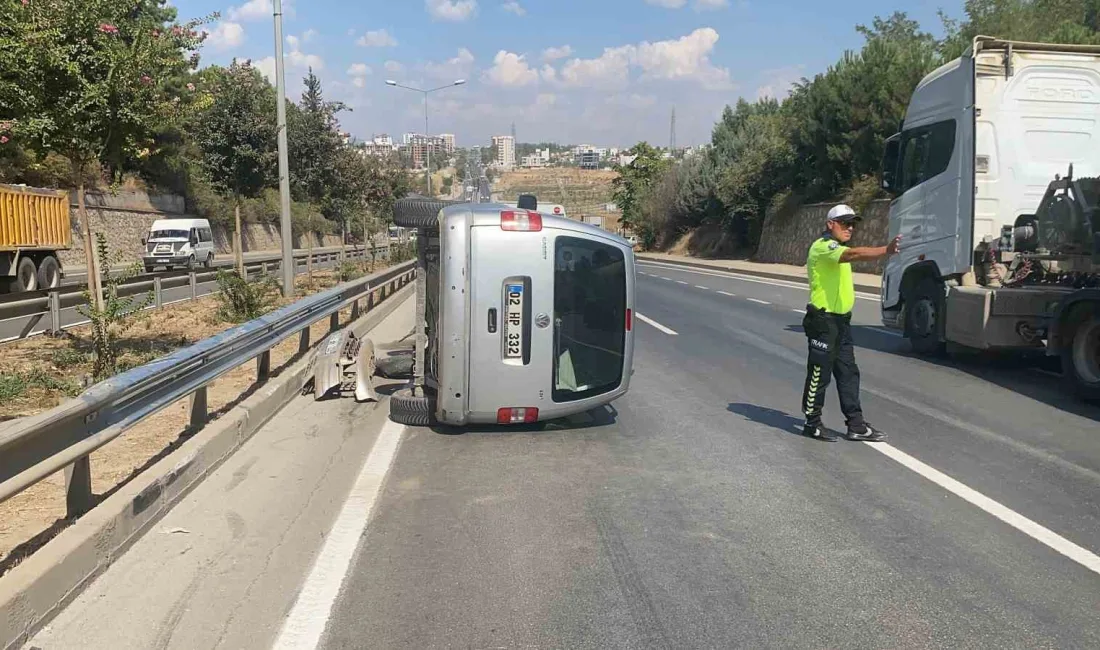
{"points": [[355, 310], [263, 268], [198, 410], [244, 273], [55, 313], [303, 341], [263, 366], [157, 297], [78, 487], [370, 299], [194, 282], [334, 322]]}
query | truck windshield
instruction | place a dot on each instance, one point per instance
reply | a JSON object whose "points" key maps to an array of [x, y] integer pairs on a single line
{"points": [[168, 234], [589, 318]]}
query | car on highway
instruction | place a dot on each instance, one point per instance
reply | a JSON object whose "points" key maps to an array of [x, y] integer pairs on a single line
{"points": [[178, 242], [529, 316]]}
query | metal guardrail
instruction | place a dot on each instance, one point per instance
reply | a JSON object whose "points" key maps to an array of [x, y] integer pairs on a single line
{"points": [[36, 447], [31, 308]]}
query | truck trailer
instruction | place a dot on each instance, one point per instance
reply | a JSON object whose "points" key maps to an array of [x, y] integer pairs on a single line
{"points": [[994, 175], [34, 227]]}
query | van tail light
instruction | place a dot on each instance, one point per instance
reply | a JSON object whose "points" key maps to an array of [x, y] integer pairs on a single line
{"points": [[629, 319], [517, 415], [521, 221]]}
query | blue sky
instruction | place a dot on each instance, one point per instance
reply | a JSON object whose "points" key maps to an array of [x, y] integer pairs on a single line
{"points": [[606, 72]]}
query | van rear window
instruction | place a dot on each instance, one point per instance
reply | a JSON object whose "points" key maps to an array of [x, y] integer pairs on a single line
{"points": [[589, 318]]}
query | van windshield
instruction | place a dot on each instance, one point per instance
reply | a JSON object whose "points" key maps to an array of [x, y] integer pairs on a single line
{"points": [[589, 318], [169, 234]]}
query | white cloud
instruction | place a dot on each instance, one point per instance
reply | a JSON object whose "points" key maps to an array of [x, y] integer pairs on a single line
{"points": [[510, 70], [451, 10], [393, 66], [309, 35], [549, 74], [686, 58], [257, 10], [705, 5], [359, 70], [667, 4], [377, 38], [266, 66], [293, 42], [514, 7], [458, 67], [359, 82], [778, 82], [225, 36], [546, 99], [555, 53]]}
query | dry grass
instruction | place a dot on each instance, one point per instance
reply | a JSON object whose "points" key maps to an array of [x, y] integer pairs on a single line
{"points": [[33, 517], [582, 192]]}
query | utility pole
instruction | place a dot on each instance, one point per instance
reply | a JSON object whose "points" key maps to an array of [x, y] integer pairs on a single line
{"points": [[285, 225]]}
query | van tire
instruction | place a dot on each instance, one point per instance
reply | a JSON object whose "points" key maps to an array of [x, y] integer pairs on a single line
{"points": [[418, 213], [405, 408], [49, 273], [209, 261]]}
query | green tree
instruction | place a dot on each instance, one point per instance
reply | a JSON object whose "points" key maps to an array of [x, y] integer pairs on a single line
{"points": [[87, 80], [634, 179], [235, 135]]}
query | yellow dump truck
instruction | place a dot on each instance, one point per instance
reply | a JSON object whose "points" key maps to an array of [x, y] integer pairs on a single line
{"points": [[34, 226]]}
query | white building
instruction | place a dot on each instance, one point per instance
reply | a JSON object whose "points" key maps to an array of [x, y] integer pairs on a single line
{"points": [[448, 142], [505, 148]]}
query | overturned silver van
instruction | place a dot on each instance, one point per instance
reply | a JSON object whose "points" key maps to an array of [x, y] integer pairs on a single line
{"points": [[526, 316]]}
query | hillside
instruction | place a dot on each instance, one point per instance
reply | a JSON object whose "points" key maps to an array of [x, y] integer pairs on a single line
{"points": [[581, 192]]}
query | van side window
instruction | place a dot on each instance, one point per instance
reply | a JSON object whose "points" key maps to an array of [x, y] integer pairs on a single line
{"points": [[194, 234], [205, 235]]}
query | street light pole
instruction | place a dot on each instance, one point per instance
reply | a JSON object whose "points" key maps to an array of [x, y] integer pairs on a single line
{"points": [[427, 143], [284, 164]]}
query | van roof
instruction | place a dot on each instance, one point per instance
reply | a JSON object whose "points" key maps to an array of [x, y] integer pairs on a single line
{"points": [[178, 224]]}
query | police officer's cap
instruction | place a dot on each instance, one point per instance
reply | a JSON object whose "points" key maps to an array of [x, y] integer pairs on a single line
{"points": [[844, 214]]}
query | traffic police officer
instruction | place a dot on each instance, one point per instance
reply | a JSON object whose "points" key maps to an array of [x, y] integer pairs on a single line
{"points": [[828, 325]]}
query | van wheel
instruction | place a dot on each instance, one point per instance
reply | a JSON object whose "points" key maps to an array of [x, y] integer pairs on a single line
{"points": [[49, 273], [405, 408], [418, 213], [1081, 352], [26, 276], [924, 313], [209, 261]]}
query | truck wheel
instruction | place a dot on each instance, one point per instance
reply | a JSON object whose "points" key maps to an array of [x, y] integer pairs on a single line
{"points": [[924, 313], [418, 213], [407, 409], [1081, 352], [26, 276], [49, 273]]}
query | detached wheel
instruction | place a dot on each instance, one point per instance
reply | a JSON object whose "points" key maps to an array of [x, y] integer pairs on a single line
{"points": [[405, 408], [1081, 352], [26, 276], [924, 314], [49, 273], [191, 263], [418, 213]]}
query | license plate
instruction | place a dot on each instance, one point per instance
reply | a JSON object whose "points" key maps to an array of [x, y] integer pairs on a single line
{"points": [[514, 297], [162, 261]]}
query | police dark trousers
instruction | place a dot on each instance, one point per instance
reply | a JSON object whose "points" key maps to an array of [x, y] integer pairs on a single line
{"points": [[832, 354]]}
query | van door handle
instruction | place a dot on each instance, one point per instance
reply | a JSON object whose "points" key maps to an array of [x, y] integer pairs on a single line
{"points": [[492, 320]]}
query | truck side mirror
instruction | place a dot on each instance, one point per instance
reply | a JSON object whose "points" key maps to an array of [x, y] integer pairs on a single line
{"points": [[890, 164]]}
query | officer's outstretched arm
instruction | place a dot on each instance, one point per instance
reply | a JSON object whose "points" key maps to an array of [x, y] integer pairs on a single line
{"points": [[867, 253]]}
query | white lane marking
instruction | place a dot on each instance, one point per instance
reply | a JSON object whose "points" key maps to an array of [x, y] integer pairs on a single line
{"points": [[681, 282], [746, 278], [699, 286], [799, 311], [725, 293], [307, 620], [1040, 533], [664, 278], [757, 300], [650, 321]]}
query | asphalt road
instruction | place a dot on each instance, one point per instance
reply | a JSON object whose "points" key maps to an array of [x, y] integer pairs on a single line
{"points": [[21, 327], [691, 515]]}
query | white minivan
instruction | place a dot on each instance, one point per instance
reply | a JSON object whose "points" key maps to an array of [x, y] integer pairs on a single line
{"points": [[529, 317], [178, 242]]}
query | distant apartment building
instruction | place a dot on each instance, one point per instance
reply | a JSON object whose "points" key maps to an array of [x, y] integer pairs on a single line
{"points": [[419, 147], [448, 142], [505, 148], [380, 145], [589, 159]]}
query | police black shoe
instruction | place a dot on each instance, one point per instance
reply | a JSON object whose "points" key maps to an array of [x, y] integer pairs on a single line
{"points": [[865, 433], [818, 432]]}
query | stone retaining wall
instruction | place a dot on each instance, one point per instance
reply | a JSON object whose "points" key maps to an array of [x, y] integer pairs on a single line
{"points": [[787, 234]]}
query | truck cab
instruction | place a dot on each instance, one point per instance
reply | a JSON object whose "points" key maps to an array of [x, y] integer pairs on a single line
{"points": [[984, 140]]}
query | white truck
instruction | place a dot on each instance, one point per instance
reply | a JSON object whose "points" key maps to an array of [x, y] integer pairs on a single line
{"points": [[996, 196]]}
